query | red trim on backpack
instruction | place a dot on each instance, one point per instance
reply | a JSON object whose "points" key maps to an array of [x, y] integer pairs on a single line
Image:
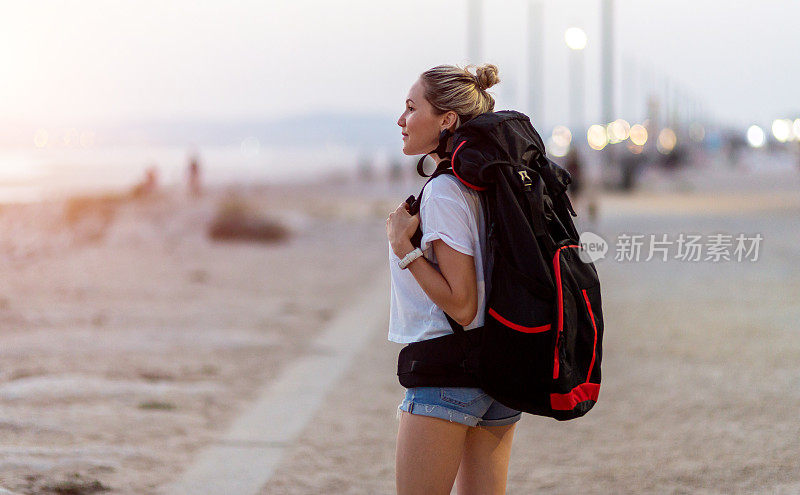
{"points": [[581, 393], [453, 161], [514, 326], [560, 299], [594, 325]]}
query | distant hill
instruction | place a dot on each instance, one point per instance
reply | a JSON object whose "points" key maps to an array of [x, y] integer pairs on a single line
{"points": [[313, 130]]}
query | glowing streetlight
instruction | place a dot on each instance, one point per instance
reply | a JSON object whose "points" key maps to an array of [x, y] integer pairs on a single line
{"points": [[554, 149], [666, 141], [40, 139], [618, 131], [559, 142], [575, 38], [597, 137], [782, 129], [756, 136], [562, 136], [638, 135]]}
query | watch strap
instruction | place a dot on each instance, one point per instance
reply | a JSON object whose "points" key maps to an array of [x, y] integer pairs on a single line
{"points": [[407, 259]]}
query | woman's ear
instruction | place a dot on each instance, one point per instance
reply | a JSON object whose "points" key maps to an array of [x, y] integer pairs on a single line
{"points": [[450, 121]]}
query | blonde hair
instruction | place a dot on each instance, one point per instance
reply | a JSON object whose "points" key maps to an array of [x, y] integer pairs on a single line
{"points": [[449, 87]]}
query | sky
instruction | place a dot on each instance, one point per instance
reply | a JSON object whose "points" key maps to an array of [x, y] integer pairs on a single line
{"points": [[99, 61]]}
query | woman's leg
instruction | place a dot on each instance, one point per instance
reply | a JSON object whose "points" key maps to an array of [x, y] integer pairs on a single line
{"points": [[484, 466], [428, 453]]}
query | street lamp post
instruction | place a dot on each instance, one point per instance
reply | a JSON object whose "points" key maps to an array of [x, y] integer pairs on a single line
{"points": [[474, 31], [575, 39], [536, 61]]}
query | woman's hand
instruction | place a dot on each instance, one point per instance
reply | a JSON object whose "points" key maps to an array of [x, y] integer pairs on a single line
{"points": [[400, 227]]}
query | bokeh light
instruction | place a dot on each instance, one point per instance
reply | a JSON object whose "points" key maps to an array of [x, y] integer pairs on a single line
{"points": [[41, 138], [560, 140], [555, 149], [618, 131], [666, 141], [70, 137], [782, 129], [796, 129], [575, 38], [638, 135], [562, 136], [697, 132], [597, 137], [87, 139], [755, 136]]}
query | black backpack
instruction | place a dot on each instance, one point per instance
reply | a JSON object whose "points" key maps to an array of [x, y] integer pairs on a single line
{"points": [[540, 348]]}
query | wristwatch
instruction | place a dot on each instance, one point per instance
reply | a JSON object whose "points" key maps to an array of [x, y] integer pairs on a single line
{"points": [[407, 259]]}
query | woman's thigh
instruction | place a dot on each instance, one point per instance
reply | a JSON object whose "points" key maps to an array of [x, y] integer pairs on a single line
{"points": [[429, 451], [484, 463], [479, 438]]}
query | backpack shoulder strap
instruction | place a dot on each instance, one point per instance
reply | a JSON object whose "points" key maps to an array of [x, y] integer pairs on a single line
{"points": [[444, 167]]}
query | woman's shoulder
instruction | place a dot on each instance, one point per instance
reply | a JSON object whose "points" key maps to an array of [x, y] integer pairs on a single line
{"points": [[444, 186]]}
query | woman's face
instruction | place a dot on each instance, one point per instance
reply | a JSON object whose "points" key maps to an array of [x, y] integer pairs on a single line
{"points": [[420, 124]]}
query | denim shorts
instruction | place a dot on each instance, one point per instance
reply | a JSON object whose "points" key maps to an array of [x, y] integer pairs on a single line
{"points": [[465, 405]]}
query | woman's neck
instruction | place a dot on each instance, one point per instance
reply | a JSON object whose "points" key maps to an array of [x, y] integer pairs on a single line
{"points": [[436, 157]]}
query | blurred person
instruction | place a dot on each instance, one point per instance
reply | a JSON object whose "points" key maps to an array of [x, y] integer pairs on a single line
{"points": [[582, 189], [193, 177], [366, 169], [446, 434], [148, 184], [574, 166], [629, 171], [735, 146], [395, 171]]}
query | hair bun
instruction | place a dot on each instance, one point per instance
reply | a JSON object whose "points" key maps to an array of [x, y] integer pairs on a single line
{"points": [[487, 76]]}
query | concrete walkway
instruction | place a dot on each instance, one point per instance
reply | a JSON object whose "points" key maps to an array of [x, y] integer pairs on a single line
{"points": [[244, 457]]}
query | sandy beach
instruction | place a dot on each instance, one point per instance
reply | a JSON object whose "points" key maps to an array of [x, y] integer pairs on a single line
{"points": [[130, 340], [123, 353]]}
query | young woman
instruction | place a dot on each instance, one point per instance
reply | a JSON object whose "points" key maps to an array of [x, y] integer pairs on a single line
{"points": [[446, 434]]}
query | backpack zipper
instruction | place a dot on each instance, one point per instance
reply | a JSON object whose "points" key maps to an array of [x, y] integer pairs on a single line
{"points": [[560, 301]]}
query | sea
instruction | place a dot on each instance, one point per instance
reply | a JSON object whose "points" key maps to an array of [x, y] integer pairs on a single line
{"points": [[36, 174]]}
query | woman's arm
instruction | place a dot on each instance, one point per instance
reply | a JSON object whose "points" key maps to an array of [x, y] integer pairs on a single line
{"points": [[455, 289]]}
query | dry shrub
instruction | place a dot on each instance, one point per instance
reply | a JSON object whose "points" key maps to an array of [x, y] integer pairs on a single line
{"points": [[237, 220], [90, 216], [74, 486], [79, 207], [157, 405]]}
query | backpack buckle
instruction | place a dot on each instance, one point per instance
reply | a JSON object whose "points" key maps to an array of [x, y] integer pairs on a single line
{"points": [[526, 180]]}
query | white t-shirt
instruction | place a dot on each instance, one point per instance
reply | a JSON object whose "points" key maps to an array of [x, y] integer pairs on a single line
{"points": [[452, 212]]}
